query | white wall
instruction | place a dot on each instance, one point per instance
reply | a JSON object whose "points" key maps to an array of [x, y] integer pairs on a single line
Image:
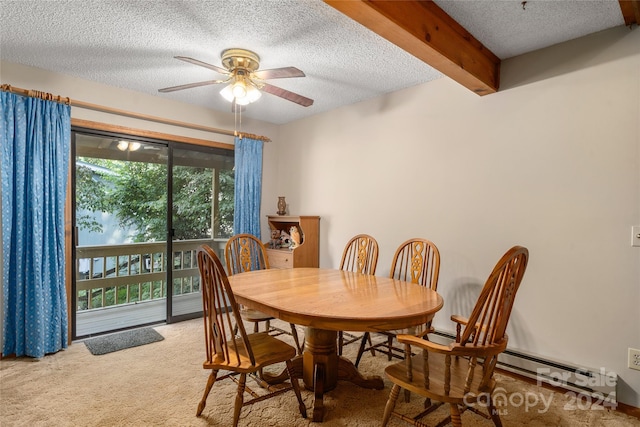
{"points": [[550, 162]]}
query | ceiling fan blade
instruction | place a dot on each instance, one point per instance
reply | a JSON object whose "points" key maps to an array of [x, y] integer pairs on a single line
{"points": [[190, 85], [278, 73], [288, 95], [202, 64]]}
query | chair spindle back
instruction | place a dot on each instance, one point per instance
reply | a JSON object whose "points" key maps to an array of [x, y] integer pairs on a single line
{"points": [[360, 255], [221, 312], [417, 261], [488, 321], [244, 252]]}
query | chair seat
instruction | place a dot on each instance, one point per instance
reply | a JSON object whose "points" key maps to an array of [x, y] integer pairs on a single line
{"points": [[252, 315], [387, 346], [397, 373], [417, 331], [267, 350]]}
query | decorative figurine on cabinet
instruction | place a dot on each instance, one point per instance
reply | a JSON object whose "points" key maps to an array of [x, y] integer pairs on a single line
{"points": [[274, 243], [285, 239], [295, 237]]}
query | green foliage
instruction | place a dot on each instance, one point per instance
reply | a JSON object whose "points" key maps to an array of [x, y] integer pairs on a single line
{"points": [[136, 193], [143, 292], [89, 197], [192, 202], [138, 198], [226, 202]]}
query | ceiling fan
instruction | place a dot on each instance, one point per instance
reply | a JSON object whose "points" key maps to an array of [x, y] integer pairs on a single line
{"points": [[244, 80]]}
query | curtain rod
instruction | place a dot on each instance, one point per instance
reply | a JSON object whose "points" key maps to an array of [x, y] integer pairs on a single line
{"points": [[96, 107]]}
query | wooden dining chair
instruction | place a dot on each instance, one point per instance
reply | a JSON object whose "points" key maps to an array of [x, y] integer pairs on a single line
{"points": [[461, 373], [360, 255], [245, 252], [417, 261], [239, 355]]}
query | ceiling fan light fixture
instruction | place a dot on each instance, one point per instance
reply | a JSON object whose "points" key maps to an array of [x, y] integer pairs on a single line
{"points": [[227, 92], [253, 93], [241, 91]]}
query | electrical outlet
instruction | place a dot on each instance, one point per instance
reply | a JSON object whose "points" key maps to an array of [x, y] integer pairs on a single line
{"points": [[634, 359]]}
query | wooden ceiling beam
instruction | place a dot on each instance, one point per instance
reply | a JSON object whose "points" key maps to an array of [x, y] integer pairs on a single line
{"points": [[630, 11], [427, 32]]}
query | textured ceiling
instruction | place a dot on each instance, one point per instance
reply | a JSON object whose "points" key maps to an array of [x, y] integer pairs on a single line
{"points": [[131, 44]]}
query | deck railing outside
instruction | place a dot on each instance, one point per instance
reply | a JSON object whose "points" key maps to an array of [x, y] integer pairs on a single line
{"points": [[111, 275]]}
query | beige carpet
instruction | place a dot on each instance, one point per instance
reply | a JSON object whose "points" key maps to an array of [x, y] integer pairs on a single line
{"points": [[160, 384]]}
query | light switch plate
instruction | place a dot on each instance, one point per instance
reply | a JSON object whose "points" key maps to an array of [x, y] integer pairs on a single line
{"points": [[635, 235]]}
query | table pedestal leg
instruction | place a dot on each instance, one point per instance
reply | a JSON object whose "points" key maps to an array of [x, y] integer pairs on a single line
{"points": [[320, 348], [320, 368], [347, 371]]}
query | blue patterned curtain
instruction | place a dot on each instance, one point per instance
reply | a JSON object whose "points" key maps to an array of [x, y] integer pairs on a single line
{"points": [[248, 186], [35, 136]]}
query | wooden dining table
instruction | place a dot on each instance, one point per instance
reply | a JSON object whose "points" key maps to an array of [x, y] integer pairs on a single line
{"points": [[326, 301]]}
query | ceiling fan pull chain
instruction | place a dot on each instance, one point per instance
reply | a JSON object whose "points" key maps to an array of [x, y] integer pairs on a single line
{"points": [[237, 123]]}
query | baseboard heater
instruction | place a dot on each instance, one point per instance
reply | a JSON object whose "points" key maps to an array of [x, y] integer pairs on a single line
{"points": [[598, 384]]}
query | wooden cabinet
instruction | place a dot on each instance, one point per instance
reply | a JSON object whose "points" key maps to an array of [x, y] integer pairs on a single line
{"points": [[305, 255]]}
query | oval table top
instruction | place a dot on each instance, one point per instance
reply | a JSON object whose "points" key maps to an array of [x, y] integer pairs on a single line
{"points": [[336, 300]]}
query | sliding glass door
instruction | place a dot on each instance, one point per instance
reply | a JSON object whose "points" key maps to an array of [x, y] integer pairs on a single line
{"points": [[142, 207], [202, 213]]}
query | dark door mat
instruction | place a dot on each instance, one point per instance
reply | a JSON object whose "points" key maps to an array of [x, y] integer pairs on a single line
{"points": [[122, 340]]}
